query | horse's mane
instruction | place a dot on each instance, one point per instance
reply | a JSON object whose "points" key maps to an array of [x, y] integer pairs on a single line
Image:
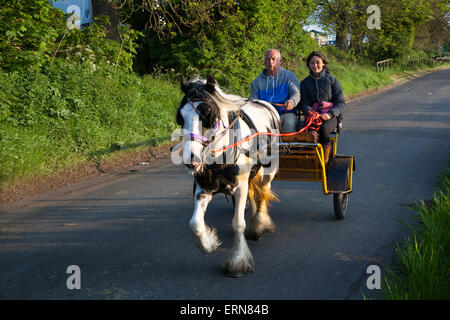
{"points": [[226, 102]]}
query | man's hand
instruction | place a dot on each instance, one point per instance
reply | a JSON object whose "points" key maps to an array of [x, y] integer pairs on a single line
{"points": [[325, 116], [289, 105]]}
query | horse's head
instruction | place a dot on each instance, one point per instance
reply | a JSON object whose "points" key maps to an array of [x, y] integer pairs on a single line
{"points": [[198, 112]]}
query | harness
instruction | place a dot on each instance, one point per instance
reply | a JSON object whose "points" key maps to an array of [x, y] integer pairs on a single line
{"points": [[216, 136], [233, 118], [233, 121]]}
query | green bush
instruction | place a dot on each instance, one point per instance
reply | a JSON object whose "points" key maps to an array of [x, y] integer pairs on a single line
{"points": [[73, 113], [33, 34], [28, 33]]}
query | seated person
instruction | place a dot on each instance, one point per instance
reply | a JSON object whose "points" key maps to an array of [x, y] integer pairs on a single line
{"points": [[322, 93], [279, 87]]}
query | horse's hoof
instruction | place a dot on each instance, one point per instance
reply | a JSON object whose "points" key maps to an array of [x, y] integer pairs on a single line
{"points": [[254, 236], [235, 274]]}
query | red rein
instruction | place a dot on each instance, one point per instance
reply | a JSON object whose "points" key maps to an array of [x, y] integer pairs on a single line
{"points": [[312, 119]]}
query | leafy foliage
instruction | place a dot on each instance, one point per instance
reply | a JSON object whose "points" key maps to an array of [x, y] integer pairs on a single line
{"points": [[229, 41], [69, 95], [399, 20], [33, 34], [435, 31], [72, 113], [28, 32]]}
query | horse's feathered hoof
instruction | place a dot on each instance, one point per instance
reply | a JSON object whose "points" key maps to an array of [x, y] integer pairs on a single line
{"points": [[238, 272], [253, 235], [235, 274]]}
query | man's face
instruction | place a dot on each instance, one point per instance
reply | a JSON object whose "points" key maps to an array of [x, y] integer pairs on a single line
{"points": [[272, 62]]}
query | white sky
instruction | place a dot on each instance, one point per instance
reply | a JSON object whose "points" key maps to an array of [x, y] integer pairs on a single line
{"points": [[319, 28]]}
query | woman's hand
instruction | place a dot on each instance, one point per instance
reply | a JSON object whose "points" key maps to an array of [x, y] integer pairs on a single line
{"points": [[325, 116]]}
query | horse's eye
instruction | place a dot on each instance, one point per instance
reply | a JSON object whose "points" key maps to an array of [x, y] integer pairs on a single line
{"points": [[204, 109]]}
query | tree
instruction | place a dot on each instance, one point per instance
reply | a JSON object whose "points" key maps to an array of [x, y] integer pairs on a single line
{"points": [[336, 16], [432, 34], [399, 20], [358, 25], [225, 37]]}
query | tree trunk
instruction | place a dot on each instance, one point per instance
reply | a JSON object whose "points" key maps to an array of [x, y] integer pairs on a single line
{"points": [[356, 42], [341, 39], [102, 7]]}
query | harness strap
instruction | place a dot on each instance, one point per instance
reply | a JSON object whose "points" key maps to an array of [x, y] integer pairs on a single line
{"points": [[313, 118], [232, 120]]}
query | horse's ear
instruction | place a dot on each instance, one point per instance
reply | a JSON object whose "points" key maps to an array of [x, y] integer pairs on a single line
{"points": [[210, 84], [184, 84]]}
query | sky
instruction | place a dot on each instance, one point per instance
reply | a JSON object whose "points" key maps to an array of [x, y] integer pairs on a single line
{"points": [[318, 28]]}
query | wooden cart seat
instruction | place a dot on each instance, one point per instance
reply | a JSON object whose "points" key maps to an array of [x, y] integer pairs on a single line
{"points": [[302, 165]]}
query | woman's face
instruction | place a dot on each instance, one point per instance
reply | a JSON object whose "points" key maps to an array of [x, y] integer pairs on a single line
{"points": [[316, 64]]}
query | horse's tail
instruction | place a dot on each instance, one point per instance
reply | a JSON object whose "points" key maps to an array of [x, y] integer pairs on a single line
{"points": [[259, 191]]}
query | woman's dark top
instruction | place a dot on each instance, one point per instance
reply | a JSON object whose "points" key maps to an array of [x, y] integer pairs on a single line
{"points": [[324, 88]]}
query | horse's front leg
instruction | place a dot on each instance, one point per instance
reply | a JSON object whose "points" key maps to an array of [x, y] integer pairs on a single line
{"points": [[241, 259], [206, 237]]}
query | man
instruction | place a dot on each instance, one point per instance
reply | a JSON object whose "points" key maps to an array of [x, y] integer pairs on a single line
{"points": [[279, 87]]}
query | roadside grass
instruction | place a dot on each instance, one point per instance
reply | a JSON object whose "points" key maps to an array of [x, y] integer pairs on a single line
{"points": [[422, 261], [70, 114]]}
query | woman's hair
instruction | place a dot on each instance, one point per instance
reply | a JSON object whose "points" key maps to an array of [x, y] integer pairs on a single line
{"points": [[321, 56]]}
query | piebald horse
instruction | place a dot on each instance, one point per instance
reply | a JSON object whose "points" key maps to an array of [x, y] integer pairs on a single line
{"points": [[214, 124]]}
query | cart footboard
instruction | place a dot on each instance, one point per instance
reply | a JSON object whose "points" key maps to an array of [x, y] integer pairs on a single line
{"points": [[339, 174]]}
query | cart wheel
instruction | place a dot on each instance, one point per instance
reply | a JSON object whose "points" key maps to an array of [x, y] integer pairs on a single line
{"points": [[340, 201]]}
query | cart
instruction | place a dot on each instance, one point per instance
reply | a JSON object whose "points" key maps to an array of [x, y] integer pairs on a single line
{"points": [[302, 159]]}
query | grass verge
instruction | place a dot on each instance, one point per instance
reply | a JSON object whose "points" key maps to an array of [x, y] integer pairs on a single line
{"points": [[422, 262], [71, 114]]}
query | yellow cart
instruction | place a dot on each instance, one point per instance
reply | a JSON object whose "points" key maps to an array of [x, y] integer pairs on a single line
{"points": [[301, 159]]}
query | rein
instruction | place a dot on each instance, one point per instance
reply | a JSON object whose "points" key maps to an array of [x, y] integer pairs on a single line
{"points": [[256, 134], [208, 142]]}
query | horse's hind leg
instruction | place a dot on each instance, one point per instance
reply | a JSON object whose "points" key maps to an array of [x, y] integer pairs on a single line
{"points": [[260, 194], [241, 259]]}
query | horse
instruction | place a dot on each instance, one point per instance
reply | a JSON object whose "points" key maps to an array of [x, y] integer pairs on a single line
{"points": [[215, 124]]}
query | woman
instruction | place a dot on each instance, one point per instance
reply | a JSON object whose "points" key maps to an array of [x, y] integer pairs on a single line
{"points": [[321, 92]]}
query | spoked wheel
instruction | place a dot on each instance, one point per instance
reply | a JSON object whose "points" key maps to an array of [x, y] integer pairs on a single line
{"points": [[340, 201]]}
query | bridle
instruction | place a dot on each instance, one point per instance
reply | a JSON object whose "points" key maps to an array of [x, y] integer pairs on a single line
{"points": [[205, 141], [197, 137], [219, 124]]}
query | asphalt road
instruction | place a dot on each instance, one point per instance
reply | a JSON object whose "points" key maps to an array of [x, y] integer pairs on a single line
{"points": [[129, 233]]}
